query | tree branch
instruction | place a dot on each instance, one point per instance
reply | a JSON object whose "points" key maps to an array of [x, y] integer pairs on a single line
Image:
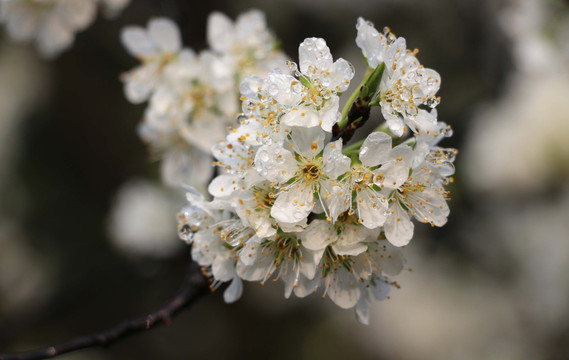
{"points": [[357, 117], [194, 287]]}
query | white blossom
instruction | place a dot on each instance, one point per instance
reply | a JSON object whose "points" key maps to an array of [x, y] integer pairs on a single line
{"points": [[406, 84], [140, 222], [52, 24], [291, 202]]}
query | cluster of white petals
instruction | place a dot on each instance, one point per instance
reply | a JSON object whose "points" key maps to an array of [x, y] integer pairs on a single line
{"points": [[406, 84], [292, 202], [52, 24], [192, 97]]}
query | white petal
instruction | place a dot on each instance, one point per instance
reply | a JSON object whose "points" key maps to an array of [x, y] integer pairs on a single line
{"points": [[249, 86], [335, 163], [308, 142], [303, 116], [236, 156], [430, 206], [248, 255], [309, 262], [392, 261], [294, 204], [375, 149], [290, 277], [293, 227], [258, 219], [362, 308], [329, 114], [380, 290], [343, 289], [258, 270], [220, 32], [371, 208], [314, 52], [140, 83], [394, 122], [137, 42], [391, 175], [184, 166], [223, 269], [275, 163], [396, 50], [398, 227], [305, 287], [432, 82], [21, 25], [336, 199], [224, 185], [279, 86], [318, 235], [353, 240], [165, 34], [54, 37], [372, 43], [204, 131], [349, 249], [233, 291], [341, 75]]}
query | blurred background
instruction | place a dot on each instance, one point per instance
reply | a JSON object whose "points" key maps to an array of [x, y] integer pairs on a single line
{"points": [[491, 284]]}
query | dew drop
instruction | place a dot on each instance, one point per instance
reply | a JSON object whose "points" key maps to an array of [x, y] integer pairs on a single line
{"points": [[241, 118], [292, 66], [185, 232], [350, 71], [250, 106], [273, 90], [263, 156], [432, 102]]}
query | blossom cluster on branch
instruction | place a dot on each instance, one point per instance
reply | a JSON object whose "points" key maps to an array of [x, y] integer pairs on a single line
{"points": [[295, 201], [294, 197]]}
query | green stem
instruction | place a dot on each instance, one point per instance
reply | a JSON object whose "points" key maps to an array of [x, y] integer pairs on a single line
{"points": [[352, 98], [411, 141], [354, 146], [375, 102]]}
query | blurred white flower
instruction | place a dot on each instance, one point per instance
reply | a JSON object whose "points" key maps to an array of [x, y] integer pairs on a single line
{"points": [[52, 24], [194, 97], [519, 142], [142, 220]]}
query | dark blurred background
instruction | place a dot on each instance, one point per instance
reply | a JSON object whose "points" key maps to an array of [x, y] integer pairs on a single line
{"points": [[491, 284]]}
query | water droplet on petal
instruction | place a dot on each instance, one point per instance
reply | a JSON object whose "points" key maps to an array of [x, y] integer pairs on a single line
{"points": [[185, 232], [292, 66], [432, 102]]}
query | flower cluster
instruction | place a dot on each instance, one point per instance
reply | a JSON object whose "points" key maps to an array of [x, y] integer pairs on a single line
{"points": [[52, 23], [192, 96], [292, 202]]}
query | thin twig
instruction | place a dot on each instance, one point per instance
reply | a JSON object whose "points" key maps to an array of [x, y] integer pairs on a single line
{"points": [[195, 286], [357, 117]]}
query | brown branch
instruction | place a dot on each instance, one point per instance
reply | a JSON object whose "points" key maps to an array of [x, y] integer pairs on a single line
{"points": [[195, 286], [357, 116]]}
